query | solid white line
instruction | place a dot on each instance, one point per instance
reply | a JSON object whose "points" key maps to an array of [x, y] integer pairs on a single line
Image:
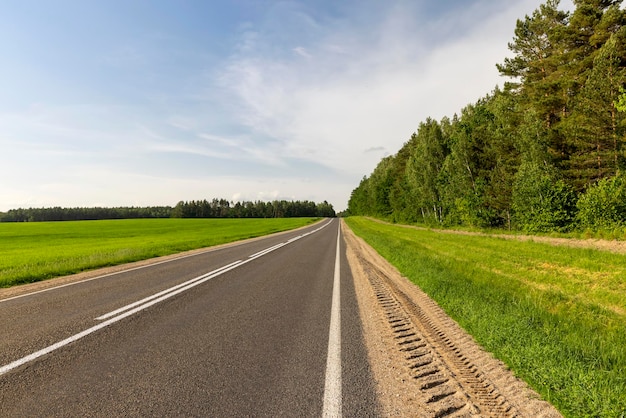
{"points": [[212, 273], [116, 273], [138, 268], [163, 292], [99, 277], [267, 250], [171, 292], [56, 346], [332, 387]]}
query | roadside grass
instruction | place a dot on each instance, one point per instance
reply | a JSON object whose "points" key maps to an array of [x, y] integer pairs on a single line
{"points": [[555, 315], [37, 251]]}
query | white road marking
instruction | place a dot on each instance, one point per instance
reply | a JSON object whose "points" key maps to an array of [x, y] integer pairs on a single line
{"points": [[332, 387], [105, 275], [267, 250], [53, 347], [166, 291], [140, 306], [146, 266]]}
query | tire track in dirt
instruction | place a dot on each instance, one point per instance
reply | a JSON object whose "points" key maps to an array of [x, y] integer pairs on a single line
{"points": [[424, 363]]}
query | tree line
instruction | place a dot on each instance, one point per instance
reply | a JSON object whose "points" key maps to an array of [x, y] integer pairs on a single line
{"points": [[216, 208], [221, 208], [543, 153], [84, 213]]}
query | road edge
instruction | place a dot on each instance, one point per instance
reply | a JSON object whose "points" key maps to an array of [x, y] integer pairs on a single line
{"points": [[400, 393], [52, 283]]}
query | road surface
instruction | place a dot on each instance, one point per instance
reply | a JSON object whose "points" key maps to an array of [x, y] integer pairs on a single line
{"points": [[244, 330]]}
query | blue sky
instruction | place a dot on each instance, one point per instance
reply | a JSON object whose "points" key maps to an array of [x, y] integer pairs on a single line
{"points": [[137, 102]]}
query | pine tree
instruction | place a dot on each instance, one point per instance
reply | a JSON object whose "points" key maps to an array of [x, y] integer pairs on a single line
{"points": [[591, 25], [596, 131], [541, 52]]}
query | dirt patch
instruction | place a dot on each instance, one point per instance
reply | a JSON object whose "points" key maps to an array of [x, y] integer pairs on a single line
{"points": [[618, 247], [424, 364], [614, 246]]}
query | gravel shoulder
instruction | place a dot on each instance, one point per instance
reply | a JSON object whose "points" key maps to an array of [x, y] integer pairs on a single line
{"points": [[424, 363]]}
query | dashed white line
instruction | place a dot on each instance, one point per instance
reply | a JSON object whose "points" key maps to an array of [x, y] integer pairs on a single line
{"points": [[138, 306], [143, 267]]}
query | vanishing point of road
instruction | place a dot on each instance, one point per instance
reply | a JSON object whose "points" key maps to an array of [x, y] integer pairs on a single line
{"points": [[267, 327]]}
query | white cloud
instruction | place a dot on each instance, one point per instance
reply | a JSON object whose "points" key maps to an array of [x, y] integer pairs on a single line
{"points": [[370, 87], [302, 52], [302, 108]]}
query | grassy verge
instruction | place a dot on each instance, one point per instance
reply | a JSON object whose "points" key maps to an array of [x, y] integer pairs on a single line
{"points": [[41, 250], [555, 315]]}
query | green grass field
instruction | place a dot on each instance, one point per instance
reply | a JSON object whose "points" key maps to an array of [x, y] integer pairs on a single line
{"points": [[41, 250], [555, 315]]}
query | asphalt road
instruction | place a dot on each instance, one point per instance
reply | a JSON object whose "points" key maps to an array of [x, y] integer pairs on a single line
{"points": [[251, 339]]}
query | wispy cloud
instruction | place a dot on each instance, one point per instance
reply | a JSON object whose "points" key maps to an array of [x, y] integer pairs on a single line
{"points": [[351, 87], [302, 52], [304, 102]]}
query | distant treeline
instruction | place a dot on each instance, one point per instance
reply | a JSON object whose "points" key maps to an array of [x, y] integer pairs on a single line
{"points": [[545, 153], [83, 214], [277, 209], [216, 208]]}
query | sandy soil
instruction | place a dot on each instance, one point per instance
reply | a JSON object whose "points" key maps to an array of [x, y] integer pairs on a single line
{"points": [[424, 364]]}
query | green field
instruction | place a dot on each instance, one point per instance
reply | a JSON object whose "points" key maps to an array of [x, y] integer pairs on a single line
{"points": [[555, 315], [36, 251]]}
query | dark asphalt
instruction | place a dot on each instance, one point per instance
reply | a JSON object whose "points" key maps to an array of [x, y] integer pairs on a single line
{"points": [[251, 342]]}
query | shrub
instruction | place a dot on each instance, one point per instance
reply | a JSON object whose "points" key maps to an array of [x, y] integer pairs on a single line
{"points": [[603, 205], [540, 202]]}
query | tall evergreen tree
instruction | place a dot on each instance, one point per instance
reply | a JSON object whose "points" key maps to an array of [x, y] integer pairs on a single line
{"points": [[596, 131], [541, 52]]}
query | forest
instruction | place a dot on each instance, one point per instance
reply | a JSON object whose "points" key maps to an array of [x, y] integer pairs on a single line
{"points": [[544, 152], [276, 209], [216, 208]]}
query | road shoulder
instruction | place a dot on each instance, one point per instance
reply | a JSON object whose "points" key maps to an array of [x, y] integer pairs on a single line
{"points": [[423, 363]]}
